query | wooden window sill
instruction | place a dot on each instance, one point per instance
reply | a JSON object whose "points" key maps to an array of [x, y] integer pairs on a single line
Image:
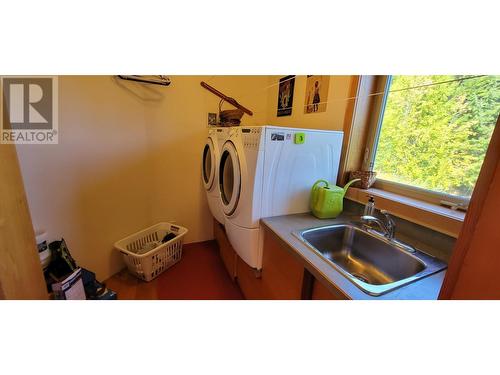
{"points": [[429, 215]]}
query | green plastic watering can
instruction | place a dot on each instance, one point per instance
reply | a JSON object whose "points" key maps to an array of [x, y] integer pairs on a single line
{"points": [[327, 200]]}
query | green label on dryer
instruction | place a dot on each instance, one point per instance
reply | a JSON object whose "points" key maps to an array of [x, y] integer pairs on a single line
{"points": [[299, 138]]}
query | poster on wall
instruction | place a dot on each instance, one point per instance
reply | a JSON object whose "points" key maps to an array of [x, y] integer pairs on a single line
{"points": [[316, 94], [285, 96]]}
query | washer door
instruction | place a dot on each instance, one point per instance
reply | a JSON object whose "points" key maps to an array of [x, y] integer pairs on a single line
{"points": [[229, 178], [208, 165]]}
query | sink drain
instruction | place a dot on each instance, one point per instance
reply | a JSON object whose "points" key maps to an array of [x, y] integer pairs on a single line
{"points": [[360, 277]]}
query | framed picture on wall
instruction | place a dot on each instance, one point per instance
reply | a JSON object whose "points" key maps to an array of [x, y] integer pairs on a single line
{"points": [[316, 94], [285, 96]]}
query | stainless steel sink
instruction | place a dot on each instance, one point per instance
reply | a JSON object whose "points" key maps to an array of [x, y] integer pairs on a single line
{"points": [[372, 262]]}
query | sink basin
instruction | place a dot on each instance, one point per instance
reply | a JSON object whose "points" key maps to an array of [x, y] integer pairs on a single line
{"points": [[373, 263]]}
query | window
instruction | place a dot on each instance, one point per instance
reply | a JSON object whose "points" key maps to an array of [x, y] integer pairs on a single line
{"points": [[432, 134]]}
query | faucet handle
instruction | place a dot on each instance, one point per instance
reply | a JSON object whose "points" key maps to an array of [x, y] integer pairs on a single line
{"points": [[386, 214], [391, 225]]}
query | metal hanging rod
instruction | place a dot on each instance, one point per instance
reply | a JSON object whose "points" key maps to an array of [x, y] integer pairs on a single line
{"points": [[157, 80]]}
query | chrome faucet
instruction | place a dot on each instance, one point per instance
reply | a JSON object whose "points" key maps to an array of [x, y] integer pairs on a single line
{"points": [[388, 227]]}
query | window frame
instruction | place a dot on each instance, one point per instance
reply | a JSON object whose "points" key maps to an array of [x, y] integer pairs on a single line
{"points": [[411, 191]]}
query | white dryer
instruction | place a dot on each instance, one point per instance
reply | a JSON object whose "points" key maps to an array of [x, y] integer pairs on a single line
{"points": [[269, 171], [210, 169]]}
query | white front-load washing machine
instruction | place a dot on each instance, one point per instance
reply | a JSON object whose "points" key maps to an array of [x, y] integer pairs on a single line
{"points": [[269, 171], [210, 169]]}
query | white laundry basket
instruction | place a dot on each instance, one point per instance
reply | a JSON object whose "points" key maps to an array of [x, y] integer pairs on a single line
{"points": [[149, 265]]}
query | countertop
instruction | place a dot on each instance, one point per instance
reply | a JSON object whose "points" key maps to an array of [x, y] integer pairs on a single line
{"points": [[283, 226]]}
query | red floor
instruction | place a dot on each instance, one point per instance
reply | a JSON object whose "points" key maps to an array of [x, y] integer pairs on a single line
{"points": [[199, 275]]}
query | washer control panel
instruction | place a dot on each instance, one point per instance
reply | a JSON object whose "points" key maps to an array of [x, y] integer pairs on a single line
{"points": [[251, 137]]}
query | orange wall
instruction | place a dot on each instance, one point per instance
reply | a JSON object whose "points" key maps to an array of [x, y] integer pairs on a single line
{"points": [[332, 119], [128, 156], [177, 127], [91, 188]]}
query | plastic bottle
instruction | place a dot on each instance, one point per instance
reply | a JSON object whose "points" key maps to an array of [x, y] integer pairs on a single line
{"points": [[369, 207]]}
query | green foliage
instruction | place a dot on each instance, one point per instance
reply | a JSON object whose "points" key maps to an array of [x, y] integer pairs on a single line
{"points": [[435, 137]]}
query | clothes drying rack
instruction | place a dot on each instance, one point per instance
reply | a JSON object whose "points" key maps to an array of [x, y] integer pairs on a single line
{"points": [[225, 98], [155, 80]]}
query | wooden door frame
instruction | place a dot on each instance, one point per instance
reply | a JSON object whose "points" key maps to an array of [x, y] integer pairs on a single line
{"points": [[473, 215], [21, 275]]}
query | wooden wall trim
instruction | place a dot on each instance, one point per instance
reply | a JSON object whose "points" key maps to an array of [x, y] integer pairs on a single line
{"points": [[350, 114], [476, 206], [2, 294], [357, 125], [21, 275]]}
